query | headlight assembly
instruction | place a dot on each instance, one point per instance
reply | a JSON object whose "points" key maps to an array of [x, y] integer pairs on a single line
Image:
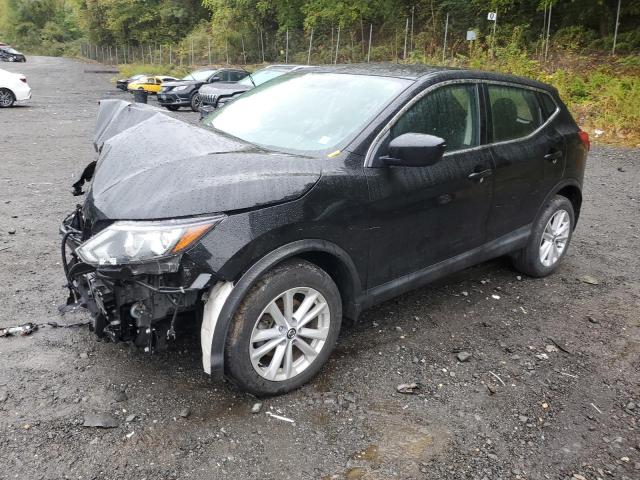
{"points": [[131, 242], [181, 88]]}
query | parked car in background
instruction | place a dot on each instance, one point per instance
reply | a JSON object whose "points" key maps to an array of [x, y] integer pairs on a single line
{"points": [[312, 197], [184, 92], [10, 54], [150, 84], [123, 83], [215, 95], [13, 88]]}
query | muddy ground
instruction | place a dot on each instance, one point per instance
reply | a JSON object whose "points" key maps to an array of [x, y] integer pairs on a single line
{"points": [[552, 389]]}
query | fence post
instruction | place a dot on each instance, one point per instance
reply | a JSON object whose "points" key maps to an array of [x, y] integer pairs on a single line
{"points": [[244, 53], [310, 44], [261, 45], [337, 45], [615, 32], [411, 38], [226, 49], [546, 47], [493, 39], [142, 53], [192, 55], [446, 30], [209, 49], [286, 48], [369, 49], [406, 34]]}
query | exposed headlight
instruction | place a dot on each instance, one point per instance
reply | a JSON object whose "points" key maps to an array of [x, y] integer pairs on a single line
{"points": [[180, 88], [128, 242]]}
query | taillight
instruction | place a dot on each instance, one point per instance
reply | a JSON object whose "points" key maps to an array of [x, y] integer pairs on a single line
{"points": [[584, 138]]}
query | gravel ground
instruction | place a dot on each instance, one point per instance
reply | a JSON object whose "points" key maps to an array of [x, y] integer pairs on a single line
{"points": [[550, 391]]}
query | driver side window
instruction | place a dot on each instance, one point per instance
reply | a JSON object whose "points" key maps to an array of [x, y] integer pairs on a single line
{"points": [[449, 112]]}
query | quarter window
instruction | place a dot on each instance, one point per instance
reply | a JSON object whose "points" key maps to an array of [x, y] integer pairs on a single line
{"points": [[449, 112], [515, 112]]}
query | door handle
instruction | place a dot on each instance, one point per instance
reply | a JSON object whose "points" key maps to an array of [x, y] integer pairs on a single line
{"points": [[553, 157], [480, 176]]}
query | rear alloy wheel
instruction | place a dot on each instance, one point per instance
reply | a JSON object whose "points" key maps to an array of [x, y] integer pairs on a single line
{"points": [[196, 101], [6, 98], [284, 330], [549, 239]]}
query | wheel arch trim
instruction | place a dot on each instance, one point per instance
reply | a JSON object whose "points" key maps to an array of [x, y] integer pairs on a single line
{"points": [[232, 295], [564, 185]]}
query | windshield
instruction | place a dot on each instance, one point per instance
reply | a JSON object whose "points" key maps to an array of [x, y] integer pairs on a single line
{"points": [[200, 75], [261, 76], [306, 111], [10, 50]]}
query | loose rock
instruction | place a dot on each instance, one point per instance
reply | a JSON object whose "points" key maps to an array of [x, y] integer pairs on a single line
{"points": [[463, 356], [408, 388]]}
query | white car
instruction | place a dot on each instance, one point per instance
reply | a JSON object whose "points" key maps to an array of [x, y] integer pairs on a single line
{"points": [[13, 88]]}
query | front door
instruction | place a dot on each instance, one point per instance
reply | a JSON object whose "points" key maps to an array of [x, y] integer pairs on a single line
{"points": [[421, 216]]}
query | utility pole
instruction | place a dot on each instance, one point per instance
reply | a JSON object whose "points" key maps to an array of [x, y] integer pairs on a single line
{"points": [[615, 32], [446, 31]]}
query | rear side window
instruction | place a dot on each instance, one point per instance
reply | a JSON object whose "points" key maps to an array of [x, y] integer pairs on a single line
{"points": [[515, 112], [449, 112], [548, 105]]}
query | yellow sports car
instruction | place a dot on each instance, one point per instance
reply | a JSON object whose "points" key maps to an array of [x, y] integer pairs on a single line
{"points": [[150, 84]]}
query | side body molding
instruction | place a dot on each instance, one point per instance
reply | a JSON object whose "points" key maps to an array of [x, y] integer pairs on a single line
{"points": [[225, 298]]}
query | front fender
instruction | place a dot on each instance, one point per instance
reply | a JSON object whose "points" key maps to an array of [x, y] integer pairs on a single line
{"points": [[226, 297]]}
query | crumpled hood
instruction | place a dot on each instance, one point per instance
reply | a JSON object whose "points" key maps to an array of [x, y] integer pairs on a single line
{"points": [[223, 88], [152, 166]]}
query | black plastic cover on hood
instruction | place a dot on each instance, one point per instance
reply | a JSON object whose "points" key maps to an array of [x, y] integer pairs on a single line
{"points": [[224, 88], [152, 166]]}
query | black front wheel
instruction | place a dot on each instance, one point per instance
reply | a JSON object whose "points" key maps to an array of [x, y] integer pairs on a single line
{"points": [[284, 329], [196, 101]]}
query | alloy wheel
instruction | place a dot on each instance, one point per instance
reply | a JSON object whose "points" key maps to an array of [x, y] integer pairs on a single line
{"points": [[554, 238], [289, 334], [6, 98]]}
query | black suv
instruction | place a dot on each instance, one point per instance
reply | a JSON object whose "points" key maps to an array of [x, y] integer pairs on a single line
{"points": [[184, 92], [312, 197]]}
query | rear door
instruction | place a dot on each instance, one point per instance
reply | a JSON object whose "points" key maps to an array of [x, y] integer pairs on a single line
{"points": [[527, 151]]}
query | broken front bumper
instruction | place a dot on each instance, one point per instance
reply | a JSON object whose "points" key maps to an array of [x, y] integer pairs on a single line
{"points": [[129, 303]]}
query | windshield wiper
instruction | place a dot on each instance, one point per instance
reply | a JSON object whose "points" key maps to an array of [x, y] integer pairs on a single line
{"points": [[249, 75]]}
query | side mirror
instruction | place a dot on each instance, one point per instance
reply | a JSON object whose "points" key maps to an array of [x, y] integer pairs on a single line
{"points": [[413, 150], [214, 79]]}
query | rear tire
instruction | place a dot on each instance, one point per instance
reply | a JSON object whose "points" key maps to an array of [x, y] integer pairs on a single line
{"points": [[549, 240], [7, 98], [300, 335]]}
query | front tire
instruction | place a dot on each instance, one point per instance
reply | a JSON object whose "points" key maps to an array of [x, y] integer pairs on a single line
{"points": [[196, 101], [284, 329], [549, 240], [7, 98]]}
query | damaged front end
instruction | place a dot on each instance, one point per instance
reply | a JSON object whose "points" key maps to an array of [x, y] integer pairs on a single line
{"points": [[133, 275]]}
